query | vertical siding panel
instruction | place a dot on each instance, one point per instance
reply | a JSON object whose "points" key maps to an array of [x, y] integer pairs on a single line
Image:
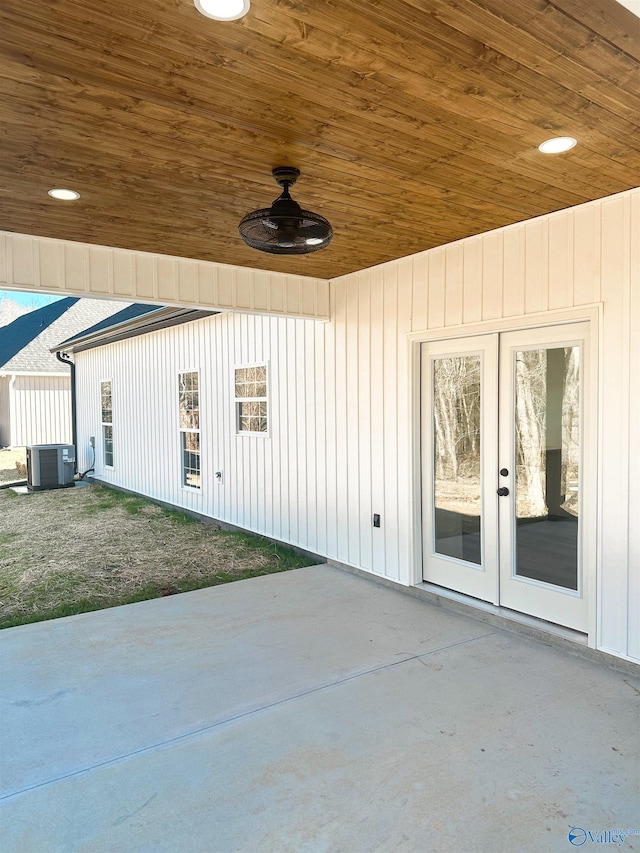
{"points": [[420, 295], [187, 281], [100, 271], [50, 263], [123, 273], [308, 299], [513, 297], [320, 386], [76, 273], [292, 294], [436, 288], [276, 294], [263, 447], [403, 425], [283, 432], [145, 273], [615, 421], [587, 222], [260, 291], [633, 603], [223, 403], [299, 403], [331, 468], [273, 413], [226, 283], [244, 296], [342, 483], [323, 298], [377, 420], [472, 285], [352, 426], [244, 443], [492, 275], [293, 507], [390, 521], [536, 266], [23, 271], [40, 410], [561, 260], [308, 401], [364, 419], [207, 285], [454, 270], [167, 279]]}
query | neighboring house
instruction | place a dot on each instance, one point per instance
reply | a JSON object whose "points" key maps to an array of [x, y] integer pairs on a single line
{"points": [[466, 419], [35, 387]]}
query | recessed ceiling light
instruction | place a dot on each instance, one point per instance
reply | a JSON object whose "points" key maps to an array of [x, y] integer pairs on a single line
{"points": [[222, 10], [557, 145], [64, 195]]}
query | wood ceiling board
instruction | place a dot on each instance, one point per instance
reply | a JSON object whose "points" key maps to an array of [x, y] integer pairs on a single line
{"points": [[414, 123]]}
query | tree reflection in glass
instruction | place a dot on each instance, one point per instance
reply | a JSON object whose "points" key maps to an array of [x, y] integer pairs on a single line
{"points": [[457, 448]]}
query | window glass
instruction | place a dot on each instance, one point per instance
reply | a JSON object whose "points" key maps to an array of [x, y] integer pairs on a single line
{"points": [[251, 398], [189, 425]]}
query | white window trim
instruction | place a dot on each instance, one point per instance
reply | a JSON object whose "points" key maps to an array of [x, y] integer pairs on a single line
{"points": [[236, 420], [103, 424], [185, 486]]}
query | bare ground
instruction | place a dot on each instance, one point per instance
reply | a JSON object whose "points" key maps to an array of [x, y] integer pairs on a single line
{"points": [[13, 465], [86, 548]]}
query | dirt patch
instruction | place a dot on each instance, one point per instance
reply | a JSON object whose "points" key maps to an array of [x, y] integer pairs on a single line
{"points": [[71, 550], [13, 465]]}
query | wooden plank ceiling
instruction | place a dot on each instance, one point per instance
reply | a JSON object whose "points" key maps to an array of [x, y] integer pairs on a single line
{"points": [[414, 122]]}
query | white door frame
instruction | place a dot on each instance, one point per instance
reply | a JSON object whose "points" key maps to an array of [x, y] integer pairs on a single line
{"points": [[588, 313]]}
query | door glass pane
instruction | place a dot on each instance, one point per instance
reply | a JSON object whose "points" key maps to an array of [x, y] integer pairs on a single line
{"points": [[547, 464], [456, 463]]}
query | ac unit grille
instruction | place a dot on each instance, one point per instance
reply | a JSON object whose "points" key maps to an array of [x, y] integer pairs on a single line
{"points": [[49, 467]]}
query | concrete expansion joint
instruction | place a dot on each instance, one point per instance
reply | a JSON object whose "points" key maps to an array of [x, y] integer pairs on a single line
{"points": [[118, 759]]}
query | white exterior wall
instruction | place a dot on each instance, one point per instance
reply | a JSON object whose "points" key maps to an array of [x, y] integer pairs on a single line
{"points": [[40, 410], [5, 423], [341, 401]]}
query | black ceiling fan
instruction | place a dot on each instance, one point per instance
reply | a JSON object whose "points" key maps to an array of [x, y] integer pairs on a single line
{"points": [[285, 228]]}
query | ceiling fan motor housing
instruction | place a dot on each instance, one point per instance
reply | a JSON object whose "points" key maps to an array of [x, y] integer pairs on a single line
{"points": [[285, 228]]}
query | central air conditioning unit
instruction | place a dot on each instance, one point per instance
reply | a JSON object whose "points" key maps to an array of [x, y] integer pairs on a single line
{"points": [[50, 466]]}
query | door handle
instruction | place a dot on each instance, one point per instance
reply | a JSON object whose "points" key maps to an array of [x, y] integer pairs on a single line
{"points": [[503, 491]]}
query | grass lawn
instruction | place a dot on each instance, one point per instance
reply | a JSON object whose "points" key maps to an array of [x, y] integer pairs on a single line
{"points": [[72, 550]]}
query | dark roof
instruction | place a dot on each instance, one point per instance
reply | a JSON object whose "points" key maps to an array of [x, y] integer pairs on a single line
{"points": [[25, 343], [128, 313], [20, 333]]}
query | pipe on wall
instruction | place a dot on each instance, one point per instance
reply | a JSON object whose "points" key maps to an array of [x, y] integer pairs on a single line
{"points": [[62, 357]]}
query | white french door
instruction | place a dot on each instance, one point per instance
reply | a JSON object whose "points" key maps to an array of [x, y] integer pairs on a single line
{"points": [[505, 424]]}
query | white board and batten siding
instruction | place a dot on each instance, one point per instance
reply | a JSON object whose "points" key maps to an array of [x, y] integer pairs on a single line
{"points": [[41, 410], [38, 409], [340, 444], [80, 269]]}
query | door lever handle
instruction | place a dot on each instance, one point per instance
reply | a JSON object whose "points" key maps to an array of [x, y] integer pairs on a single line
{"points": [[503, 491]]}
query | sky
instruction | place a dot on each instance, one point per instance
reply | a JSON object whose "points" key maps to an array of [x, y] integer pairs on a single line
{"points": [[30, 299]]}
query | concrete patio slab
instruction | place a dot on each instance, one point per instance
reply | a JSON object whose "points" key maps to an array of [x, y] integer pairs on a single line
{"points": [[307, 711]]}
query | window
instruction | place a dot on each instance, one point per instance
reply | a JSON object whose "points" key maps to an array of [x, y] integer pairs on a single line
{"points": [[107, 423], [251, 398], [189, 407]]}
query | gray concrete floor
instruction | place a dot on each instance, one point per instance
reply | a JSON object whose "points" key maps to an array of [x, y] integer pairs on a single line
{"points": [[307, 711]]}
